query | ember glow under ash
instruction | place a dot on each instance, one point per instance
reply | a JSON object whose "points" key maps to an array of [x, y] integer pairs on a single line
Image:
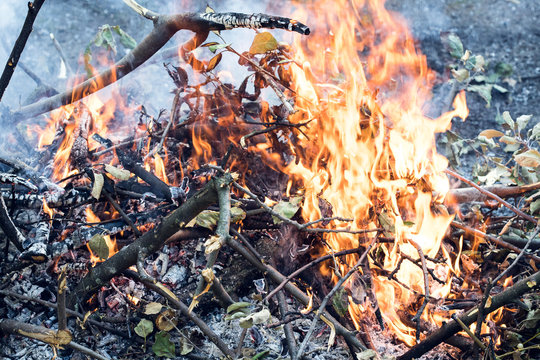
{"points": [[370, 150]]}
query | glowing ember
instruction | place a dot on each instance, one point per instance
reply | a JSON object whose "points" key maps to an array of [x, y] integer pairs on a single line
{"points": [[371, 150]]}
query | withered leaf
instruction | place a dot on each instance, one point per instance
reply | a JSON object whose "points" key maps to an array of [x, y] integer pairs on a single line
{"points": [[98, 185], [152, 308], [214, 62], [262, 43], [530, 158], [166, 321], [121, 174], [99, 246], [207, 219]]}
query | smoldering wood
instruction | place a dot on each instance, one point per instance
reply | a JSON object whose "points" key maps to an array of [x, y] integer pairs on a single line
{"points": [[150, 242]]}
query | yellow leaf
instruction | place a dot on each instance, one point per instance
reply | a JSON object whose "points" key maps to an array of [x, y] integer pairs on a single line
{"points": [[214, 62], [262, 43], [152, 308], [98, 185], [166, 321]]}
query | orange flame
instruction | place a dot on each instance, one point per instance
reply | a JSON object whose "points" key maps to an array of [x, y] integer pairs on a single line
{"points": [[111, 243], [371, 150]]}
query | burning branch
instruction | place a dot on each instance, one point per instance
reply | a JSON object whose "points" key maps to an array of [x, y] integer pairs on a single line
{"points": [[165, 26], [447, 330]]}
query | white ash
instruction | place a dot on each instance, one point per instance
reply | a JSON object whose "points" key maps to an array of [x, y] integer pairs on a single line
{"points": [[175, 275]]}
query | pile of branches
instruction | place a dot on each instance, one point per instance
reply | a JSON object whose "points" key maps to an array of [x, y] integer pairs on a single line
{"points": [[224, 205]]}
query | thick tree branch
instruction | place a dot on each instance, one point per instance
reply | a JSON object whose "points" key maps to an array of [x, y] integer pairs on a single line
{"points": [[33, 9], [165, 26], [507, 296], [150, 242]]}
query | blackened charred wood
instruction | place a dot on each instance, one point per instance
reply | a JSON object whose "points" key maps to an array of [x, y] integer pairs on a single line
{"points": [[82, 235], [508, 296], [36, 247], [9, 228], [8, 178], [70, 198], [165, 26], [20, 43], [158, 187], [150, 242]]}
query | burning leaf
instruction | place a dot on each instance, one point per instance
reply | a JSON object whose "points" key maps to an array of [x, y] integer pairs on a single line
{"points": [[460, 74], [286, 209], [490, 133], [98, 185], [212, 244], [166, 321], [214, 62], [144, 328], [98, 246], [530, 158], [163, 346], [152, 308], [120, 174], [387, 224], [262, 43], [207, 219]]}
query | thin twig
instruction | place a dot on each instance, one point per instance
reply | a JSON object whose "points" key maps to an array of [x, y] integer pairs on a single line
{"points": [[20, 43], [307, 266], [493, 239], [418, 315], [327, 298]]}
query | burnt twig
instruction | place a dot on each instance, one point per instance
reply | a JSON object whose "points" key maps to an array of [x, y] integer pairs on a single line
{"points": [[9, 228], [327, 298]]}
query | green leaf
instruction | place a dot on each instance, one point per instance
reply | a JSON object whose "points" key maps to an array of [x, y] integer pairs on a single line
{"points": [[99, 247], [163, 346], [214, 47], [455, 45], [529, 158], [504, 70], [125, 38], [241, 305], [144, 328], [340, 302], [261, 355], [483, 90], [105, 38], [522, 121], [262, 43], [535, 206], [286, 209], [460, 75], [207, 219]]}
